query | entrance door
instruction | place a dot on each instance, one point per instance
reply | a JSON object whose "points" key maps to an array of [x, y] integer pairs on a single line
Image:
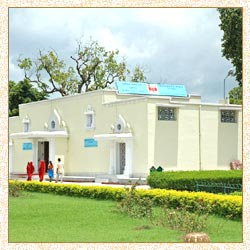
{"points": [[43, 152], [46, 154], [121, 158]]}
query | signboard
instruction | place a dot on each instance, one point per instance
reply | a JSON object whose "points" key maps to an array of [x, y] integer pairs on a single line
{"points": [[27, 146], [142, 88], [89, 142], [132, 88]]}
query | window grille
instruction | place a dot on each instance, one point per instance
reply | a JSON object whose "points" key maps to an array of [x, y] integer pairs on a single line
{"points": [[89, 118], [166, 114], [89, 121], [228, 116], [26, 126]]}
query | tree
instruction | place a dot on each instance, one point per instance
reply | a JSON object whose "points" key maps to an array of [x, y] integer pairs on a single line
{"points": [[61, 79], [95, 68], [235, 95], [138, 75], [22, 92], [231, 25]]}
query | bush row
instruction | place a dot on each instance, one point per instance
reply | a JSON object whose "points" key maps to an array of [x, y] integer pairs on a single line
{"points": [[222, 205], [186, 180]]}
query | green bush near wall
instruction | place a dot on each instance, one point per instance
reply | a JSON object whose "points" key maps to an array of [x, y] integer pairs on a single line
{"points": [[222, 205], [186, 180]]}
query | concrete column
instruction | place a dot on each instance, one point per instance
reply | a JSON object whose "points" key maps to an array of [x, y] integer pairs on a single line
{"points": [[52, 150], [112, 160], [10, 156], [151, 117], [35, 154], [129, 158], [239, 142]]}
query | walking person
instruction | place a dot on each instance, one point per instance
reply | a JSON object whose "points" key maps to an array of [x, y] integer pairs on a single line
{"points": [[30, 170], [42, 169], [50, 171], [59, 170]]}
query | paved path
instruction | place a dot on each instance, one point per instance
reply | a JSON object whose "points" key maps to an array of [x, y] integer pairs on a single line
{"points": [[103, 184], [91, 183]]}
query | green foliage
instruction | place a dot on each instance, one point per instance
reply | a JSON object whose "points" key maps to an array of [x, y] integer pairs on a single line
{"points": [[35, 218], [25, 64], [186, 180], [22, 92], [182, 219], [231, 25], [59, 78], [135, 206], [85, 220], [236, 193], [138, 75], [222, 205], [235, 95], [15, 190], [95, 68]]}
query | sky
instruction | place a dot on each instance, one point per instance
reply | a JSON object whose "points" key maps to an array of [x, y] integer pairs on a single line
{"points": [[173, 45]]}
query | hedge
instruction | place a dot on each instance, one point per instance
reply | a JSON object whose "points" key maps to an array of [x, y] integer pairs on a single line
{"points": [[186, 180], [222, 205]]}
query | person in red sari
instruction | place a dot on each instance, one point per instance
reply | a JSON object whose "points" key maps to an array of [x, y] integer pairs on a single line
{"points": [[30, 170], [42, 169]]}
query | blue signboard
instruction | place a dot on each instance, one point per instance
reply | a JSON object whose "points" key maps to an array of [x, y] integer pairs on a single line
{"points": [[132, 88], [89, 142], [27, 146], [142, 88]]}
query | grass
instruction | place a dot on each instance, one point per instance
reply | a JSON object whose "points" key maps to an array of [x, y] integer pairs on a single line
{"points": [[36, 217], [224, 230]]}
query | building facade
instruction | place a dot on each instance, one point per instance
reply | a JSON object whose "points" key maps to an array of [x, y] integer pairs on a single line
{"points": [[106, 133]]}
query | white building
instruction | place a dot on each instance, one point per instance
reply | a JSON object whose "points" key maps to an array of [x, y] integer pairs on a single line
{"points": [[105, 132]]}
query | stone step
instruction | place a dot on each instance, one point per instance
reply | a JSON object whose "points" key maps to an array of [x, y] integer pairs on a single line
{"points": [[79, 178], [126, 180], [106, 178]]}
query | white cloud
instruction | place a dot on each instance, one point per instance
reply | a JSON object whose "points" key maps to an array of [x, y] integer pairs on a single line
{"points": [[167, 17], [177, 45], [15, 73]]}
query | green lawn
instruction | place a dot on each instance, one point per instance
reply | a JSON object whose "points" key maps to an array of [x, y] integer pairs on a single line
{"points": [[35, 217]]}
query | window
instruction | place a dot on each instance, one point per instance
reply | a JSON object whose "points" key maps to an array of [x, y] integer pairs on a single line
{"points": [[228, 116], [119, 126], [26, 126], [53, 124], [89, 118], [166, 114]]}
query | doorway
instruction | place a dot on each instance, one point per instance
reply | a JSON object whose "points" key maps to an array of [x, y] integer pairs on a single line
{"points": [[43, 153], [121, 157]]}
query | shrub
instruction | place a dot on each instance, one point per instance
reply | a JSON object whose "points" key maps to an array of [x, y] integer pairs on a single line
{"points": [[15, 189], [184, 220], [186, 180], [223, 205], [180, 218], [236, 193], [134, 205]]}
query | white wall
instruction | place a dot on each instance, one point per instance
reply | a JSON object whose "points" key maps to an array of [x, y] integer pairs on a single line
{"points": [[196, 140]]}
